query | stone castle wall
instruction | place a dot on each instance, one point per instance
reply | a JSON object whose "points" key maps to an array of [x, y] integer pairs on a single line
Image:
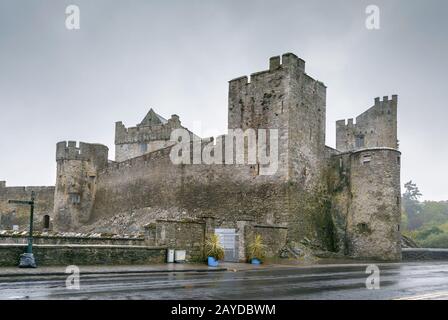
{"points": [[127, 151], [19, 215], [377, 127], [274, 237], [226, 192]]}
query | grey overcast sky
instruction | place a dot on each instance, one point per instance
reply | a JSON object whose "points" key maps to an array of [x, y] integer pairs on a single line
{"points": [[177, 56]]}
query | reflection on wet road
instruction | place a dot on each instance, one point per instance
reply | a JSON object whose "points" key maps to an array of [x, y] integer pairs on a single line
{"points": [[405, 280]]}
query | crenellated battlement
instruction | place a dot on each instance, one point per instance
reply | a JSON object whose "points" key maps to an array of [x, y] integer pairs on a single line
{"points": [[287, 61], [386, 100], [96, 153], [384, 103], [143, 133], [345, 123], [376, 127], [263, 100]]}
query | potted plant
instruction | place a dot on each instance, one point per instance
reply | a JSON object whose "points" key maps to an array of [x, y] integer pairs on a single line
{"points": [[214, 250], [256, 250]]}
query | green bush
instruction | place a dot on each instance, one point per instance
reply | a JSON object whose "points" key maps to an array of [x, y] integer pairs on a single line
{"points": [[422, 235], [439, 240]]}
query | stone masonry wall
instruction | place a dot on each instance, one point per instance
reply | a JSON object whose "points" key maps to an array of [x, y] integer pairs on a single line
{"points": [[180, 235], [65, 255], [273, 237], [262, 104], [366, 207], [226, 192], [77, 169], [338, 180], [373, 224], [286, 98], [127, 151], [376, 127], [9, 237], [13, 214], [135, 141], [331, 196]]}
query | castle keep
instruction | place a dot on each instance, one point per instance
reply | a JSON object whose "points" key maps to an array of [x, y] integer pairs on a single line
{"points": [[344, 200]]}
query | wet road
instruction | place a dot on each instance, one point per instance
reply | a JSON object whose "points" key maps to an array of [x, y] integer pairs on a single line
{"points": [[405, 280]]}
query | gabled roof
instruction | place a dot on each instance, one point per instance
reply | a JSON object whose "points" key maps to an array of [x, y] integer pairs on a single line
{"points": [[152, 118]]}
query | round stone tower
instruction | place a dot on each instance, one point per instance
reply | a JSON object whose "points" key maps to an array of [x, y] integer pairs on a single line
{"points": [[374, 216], [77, 169]]}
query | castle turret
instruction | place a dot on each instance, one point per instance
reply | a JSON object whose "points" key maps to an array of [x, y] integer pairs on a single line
{"points": [[377, 127], [374, 215], [371, 160], [77, 170]]}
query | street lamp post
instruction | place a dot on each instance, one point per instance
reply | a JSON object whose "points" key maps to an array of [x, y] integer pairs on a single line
{"points": [[27, 259]]}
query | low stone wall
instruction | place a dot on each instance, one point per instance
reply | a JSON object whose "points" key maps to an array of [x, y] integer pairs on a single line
{"points": [[186, 235], [51, 237], [57, 255], [23, 239], [421, 254]]}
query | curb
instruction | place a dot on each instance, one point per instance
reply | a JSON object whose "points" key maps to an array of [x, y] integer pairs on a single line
{"points": [[24, 274]]}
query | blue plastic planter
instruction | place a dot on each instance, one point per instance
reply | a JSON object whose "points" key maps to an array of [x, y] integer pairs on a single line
{"points": [[212, 262], [255, 261]]}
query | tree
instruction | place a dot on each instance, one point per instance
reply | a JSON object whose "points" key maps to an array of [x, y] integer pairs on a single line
{"points": [[434, 213], [412, 206], [412, 192]]}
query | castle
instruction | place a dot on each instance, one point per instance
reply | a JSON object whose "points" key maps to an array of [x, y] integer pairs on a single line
{"points": [[344, 200]]}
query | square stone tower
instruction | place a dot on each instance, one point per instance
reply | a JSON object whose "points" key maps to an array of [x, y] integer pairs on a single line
{"points": [[284, 98]]}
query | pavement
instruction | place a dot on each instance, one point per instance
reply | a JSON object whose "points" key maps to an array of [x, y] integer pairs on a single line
{"points": [[167, 267], [401, 281], [117, 269]]}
